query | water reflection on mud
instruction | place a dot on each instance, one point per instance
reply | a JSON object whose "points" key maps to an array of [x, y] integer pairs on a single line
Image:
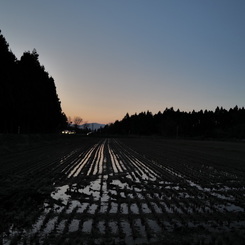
{"points": [[117, 194]]}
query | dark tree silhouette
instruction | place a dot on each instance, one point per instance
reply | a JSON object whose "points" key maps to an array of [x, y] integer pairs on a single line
{"points": [[170, 123], [29, 102], [77, 121], [7, 83]]}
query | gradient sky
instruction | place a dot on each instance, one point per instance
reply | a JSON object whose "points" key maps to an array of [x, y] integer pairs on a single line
{"points": [[113, 57]]}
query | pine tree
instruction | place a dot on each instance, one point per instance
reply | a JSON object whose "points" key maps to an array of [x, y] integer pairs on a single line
{"points": [[28, 99], [7, 83]]}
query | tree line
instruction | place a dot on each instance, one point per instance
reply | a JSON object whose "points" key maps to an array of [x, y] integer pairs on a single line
{"points": [[220, 123], [28, 99]]}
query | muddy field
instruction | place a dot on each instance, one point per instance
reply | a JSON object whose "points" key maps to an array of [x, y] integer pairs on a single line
{"points": [[124, 191]]}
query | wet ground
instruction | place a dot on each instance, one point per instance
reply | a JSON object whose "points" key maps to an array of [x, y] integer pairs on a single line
{"points": [[109, 193]]}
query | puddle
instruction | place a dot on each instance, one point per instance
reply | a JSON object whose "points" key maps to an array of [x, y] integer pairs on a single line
{"points": [[140, 196], [74, 226], [177, 209], [222, 196], [113, 227], [120, 184], [98, 161], [122, 194], [114, 208], [92, 208], [72, 205], [101, 226], [115, 163], [126, 228], [61, 226], [140, 227], [233, 208], [82, 207], [154, 226], [145, 208], [93, 189], [78, 168], [130, 195], [185, 195], [60, 194], [105, 197], [103, 208], [87, 225], [37, 226], [156, 208], [50, 225], [124, 208], [112, 193], [168, 209], [134, 208]]}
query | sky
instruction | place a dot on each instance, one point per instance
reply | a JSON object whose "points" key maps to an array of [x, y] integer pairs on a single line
{"points": [[113, 57]]}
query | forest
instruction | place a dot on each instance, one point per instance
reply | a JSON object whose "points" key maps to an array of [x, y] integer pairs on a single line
{"points": [[28, 99], [220, 123]]}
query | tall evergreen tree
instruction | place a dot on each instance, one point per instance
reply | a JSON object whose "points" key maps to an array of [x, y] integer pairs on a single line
{"points": [[28, 101], [7, 83]]}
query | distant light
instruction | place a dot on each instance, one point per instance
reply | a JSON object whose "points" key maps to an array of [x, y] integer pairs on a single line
{"points": [[68, 132]]}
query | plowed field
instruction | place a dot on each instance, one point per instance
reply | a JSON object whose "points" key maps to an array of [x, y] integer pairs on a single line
{"points": [[125, 191]]}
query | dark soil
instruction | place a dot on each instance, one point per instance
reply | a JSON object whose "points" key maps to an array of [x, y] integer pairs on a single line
{"points": [[77, 190]]}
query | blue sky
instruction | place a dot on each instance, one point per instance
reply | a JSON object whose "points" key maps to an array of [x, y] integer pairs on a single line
{"points": [[109, 58]]}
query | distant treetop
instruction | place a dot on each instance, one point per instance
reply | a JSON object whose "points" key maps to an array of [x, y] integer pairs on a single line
{"points": [[220, 123]]}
